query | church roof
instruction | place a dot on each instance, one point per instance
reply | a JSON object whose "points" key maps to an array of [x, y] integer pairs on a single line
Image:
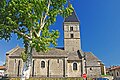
{"points": [[73, 56], [72, 18], [90, 56], [91, 59], [12, 50], [76, 55], [54, 52]]}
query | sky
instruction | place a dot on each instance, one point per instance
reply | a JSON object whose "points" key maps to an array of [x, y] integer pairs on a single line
{"points": [[100, 30]]}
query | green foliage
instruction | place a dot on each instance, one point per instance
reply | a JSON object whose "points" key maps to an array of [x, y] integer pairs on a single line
{"points": [[42, 43], [30, 20], [4, 64], [24, 56]]}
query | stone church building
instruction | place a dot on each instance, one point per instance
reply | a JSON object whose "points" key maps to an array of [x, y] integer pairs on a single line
{"points": [[69, 61]]}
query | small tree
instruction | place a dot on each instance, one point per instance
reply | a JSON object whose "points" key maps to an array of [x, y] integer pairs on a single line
{"points": [[30, 20]]}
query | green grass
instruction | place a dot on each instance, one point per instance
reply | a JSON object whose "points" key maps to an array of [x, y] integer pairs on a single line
{"points": [[47, 79], [105, 75]]}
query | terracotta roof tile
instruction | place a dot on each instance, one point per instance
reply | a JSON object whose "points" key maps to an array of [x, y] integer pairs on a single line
{"points": [[116, 67], [2, 67]]}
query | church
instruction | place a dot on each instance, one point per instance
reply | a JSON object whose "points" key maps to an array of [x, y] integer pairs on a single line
{"points": [[69, 61]]}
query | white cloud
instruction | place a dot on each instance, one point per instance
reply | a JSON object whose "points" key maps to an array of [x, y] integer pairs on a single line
{"points": [[1, 63]]}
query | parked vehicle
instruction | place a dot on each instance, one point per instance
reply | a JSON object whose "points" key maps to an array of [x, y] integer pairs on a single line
{"points": [[1, 74], [100, 79]]}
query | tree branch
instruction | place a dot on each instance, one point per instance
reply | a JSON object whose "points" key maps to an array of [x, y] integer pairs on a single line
{"points": [[35, 33], [22, 34], [44, 18]]}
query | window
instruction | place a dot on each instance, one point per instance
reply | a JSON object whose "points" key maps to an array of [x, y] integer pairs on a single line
{"points": [[71, 35], [111, 74], [33, 67], [90, 68], [42, 64], [15, 60], [77, 28], [67, 29], [73, 48], [18, 72], [57, 60], [117, 73], [71, 28], [74, 66]]}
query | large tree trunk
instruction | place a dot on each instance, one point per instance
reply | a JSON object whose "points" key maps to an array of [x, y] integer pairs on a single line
{"points": [[27, 65]]}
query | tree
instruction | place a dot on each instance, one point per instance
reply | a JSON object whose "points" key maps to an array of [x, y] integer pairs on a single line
{"points": [[30, 20]]}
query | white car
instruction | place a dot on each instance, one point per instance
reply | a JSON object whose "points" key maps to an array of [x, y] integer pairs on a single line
{"points": [[1, 74]]}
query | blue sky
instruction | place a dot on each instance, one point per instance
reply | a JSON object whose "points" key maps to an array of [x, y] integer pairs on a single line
{"points": [[100, 30]]}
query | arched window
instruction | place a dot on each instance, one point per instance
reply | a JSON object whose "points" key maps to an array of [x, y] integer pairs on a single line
{"points": [[58, 61], [15, 60], [18, 72], [71, 36], [42, 64], [117, 73], [71, 28], [74, 66], [90, 68], [33, 65]]}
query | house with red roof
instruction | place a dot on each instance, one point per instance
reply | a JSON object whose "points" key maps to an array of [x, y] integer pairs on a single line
{"points": [[2, 69], [114, 71]]}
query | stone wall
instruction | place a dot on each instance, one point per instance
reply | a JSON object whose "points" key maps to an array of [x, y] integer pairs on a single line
{"points": [[38, 70], [14, 67], [54, 67], [71, 72], [93, 71], [72, 44]]}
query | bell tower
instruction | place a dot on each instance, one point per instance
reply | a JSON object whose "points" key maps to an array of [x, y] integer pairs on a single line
{"points": [[72, 33]]}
